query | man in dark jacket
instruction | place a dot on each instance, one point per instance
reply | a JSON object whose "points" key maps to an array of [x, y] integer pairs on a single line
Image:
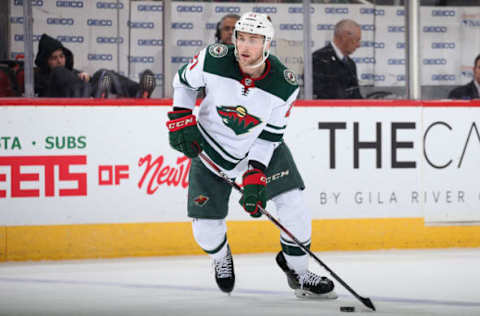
{"points": [[472, 89], [334, 72], [56, 77]]}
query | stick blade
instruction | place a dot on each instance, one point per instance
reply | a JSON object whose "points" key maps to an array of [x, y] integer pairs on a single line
{"points": [[367, 302]]}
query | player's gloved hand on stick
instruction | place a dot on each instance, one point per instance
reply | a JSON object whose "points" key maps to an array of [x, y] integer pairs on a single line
{"points": [[254, 194], [184, 135]]}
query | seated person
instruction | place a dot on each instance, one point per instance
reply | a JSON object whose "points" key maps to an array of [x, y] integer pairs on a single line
{"points": [[472, 89], [56, 77]]}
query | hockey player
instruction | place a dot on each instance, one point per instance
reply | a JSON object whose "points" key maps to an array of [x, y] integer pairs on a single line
{"points": [[240, 126]]}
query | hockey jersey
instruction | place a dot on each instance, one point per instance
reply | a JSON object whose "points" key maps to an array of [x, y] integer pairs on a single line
{"points": [[240, 118]]}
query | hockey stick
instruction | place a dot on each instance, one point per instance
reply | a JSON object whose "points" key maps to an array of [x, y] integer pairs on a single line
{"points": [[365, 300]]}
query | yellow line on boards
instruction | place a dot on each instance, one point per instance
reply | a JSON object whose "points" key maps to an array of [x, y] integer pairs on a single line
{"points": [[60, 242]]}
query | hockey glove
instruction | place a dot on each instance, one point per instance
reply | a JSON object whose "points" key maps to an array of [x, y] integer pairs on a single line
{"points": [[254, 195], [184, 135]]}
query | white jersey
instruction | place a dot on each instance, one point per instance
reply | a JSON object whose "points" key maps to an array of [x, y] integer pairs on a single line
{"points": [[240, 118]]}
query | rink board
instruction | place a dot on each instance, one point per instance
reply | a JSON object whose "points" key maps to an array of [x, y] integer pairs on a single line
{"points": [[87, 178]]}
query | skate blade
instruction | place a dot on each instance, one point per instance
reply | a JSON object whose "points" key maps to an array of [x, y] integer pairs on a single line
{"points": [[303, 294]]}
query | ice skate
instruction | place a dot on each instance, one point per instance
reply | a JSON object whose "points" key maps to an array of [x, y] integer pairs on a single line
{"points": [[308, 284], [224, 272]]}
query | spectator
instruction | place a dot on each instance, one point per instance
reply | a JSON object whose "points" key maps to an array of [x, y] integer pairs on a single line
{"points": [[56, 77], [225, 29], [334, 72], [472, 89]]}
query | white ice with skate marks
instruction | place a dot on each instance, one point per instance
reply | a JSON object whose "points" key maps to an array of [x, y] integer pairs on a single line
{"points": [[400, 282]]}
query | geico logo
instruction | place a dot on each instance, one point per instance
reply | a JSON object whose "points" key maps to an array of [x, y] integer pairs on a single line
{"points": [[374, 77], [109, 40], [96, 22], [109, 5], [273, 43], [467, 74], [210, 26], [400, 12], [60, 21], [268, 10], [364, 60], [180, 59], [19, 37], [154, 8], [443, 13], [368, 27], [141, 25], [434, 61], [189, 8], [471, 23], [372, 11], [16, 19], [182, 25], [435, 29], [400, 77], [221, 9], [396, 61], [293, 60], [70, 39], [331, 10], [400, 45], [443, 45], [189, 43], [299, 10], [293, 43], [35, 3], [102, 57], [69, 4], [325, 27], [291, 27], [443, 77], [141, 59], [372, 44], [396, 28], [150, 42]]}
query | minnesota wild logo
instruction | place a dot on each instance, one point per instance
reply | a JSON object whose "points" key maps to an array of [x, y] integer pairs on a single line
{"points": [[201, 200], [237, 118]]}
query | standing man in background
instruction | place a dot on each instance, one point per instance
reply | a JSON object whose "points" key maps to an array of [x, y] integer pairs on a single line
{"points": [[472, 89], [334, 72]]}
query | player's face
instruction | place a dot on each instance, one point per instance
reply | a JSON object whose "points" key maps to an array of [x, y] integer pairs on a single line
{"points": [[250, 48], [56, 59], [476, 72], [226, 30]]}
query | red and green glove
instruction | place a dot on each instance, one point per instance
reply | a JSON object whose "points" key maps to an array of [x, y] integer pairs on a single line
{"points": [[184, 135], [254, 194]]}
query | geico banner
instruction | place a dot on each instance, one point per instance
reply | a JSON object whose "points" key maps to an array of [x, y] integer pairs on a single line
{"points": [[114, 164]]}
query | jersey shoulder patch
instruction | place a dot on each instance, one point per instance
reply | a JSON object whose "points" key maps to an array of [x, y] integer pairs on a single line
{"points": [[218, 50]]}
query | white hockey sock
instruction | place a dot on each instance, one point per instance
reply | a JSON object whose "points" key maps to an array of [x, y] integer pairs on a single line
{"points": [[297, 263], [210, 235]]}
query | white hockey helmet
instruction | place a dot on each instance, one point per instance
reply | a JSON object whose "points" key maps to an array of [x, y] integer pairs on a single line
{"points": [[255, 23]]}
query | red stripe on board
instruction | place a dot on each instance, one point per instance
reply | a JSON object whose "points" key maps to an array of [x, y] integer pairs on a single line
{"points": [[300, 103]]}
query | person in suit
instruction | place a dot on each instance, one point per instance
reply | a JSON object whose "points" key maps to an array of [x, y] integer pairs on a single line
{"points": [[472, 89], [334, 72]]}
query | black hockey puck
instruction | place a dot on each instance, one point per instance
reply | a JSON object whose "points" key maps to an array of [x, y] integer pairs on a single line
{"points": [[347, 308]]}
